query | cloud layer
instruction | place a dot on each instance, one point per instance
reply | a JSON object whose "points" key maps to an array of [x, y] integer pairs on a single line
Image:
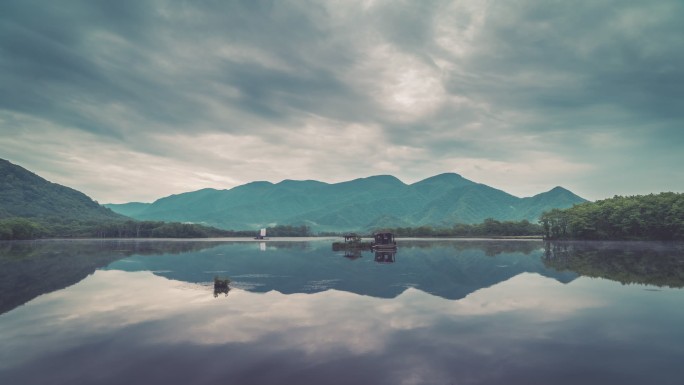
{"points": [[136, 100]]}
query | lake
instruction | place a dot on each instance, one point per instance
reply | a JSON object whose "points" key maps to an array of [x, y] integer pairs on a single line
{"points": [[436, 312]]}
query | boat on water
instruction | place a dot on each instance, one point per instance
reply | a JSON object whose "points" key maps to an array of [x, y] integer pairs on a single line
{"points": [[383, 241], [262, 234]]}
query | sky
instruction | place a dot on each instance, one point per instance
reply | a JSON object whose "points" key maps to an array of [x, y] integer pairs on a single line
{"points": [[133, 100]]}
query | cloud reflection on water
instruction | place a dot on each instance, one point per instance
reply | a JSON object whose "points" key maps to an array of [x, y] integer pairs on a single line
{"points": [[453, 314], [110, 302]]}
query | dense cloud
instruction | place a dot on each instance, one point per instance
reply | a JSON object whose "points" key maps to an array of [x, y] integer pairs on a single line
{"points": [[133, 100]]}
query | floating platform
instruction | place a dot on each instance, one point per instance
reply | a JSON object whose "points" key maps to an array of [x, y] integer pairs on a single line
{"points": [[389, 247], [338, 246]]}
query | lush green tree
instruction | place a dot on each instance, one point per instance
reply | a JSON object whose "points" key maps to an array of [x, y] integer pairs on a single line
{"points": [[19, 228], [653, 216]]}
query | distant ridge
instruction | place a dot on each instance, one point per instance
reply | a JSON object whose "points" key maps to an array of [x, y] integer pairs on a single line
{"points": [[359, 204]]}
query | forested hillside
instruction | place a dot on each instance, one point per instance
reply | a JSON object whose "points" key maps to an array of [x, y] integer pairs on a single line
{"points": [[32, 207], [654, 216], [25, 194]]}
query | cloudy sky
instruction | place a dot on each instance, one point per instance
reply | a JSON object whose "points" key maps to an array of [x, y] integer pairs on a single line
{"points": [[135, 100]]}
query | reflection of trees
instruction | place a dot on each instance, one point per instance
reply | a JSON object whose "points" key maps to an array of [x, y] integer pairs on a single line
{"points": [[659, 264], [490, 247], [31, 268]]}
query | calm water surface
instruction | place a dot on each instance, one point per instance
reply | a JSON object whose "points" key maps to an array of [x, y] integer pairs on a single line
{"points": [[436, 312]]}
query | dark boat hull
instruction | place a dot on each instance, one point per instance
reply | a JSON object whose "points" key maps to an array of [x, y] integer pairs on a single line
{"points": [[383, 247]]}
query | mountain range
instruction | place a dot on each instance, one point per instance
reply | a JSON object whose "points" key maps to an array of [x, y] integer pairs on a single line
{"points": [[356, 205]]}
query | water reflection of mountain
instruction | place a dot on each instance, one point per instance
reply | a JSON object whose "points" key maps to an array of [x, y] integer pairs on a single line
{"points": [[651, 263], [450, 269], [29, 269]]}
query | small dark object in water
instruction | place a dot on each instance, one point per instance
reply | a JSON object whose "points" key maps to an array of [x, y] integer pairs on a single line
{"points": [[221, 286]]}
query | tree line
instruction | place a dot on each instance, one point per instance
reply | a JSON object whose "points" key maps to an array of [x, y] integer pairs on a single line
{"points": [[639, 217], [288, 231], [489, 227], [33, 228], [23, 228]]}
